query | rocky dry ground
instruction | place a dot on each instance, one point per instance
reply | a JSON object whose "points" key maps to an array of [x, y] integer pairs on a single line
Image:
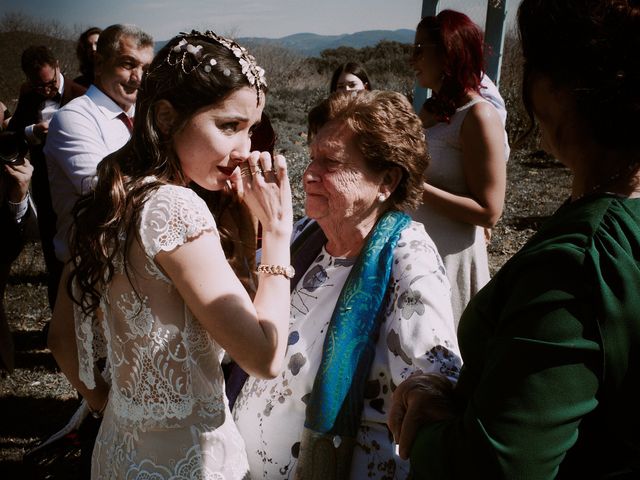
{"points": [[36, 400]]}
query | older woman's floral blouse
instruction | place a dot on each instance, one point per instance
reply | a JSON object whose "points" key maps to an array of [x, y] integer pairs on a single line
{"points": [[416, 335]]}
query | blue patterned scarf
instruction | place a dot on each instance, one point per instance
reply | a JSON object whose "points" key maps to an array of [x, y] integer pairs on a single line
{"points": [[334, 409]]}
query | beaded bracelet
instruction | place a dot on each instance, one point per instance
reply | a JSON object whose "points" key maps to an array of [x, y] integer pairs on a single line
{"points": [[287, 271]]}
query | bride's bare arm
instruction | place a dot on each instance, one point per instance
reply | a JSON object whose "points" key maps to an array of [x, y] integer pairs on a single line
{"points": [[253, 333], [62, 343]]}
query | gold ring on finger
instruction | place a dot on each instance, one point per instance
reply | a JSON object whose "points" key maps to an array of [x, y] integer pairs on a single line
{"points": [[271, 172], [257, 171]]}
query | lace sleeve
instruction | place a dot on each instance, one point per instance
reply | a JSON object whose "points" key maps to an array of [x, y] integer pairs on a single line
{"points": [[171, 216]]}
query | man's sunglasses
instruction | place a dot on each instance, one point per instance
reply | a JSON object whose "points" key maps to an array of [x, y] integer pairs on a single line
{"points": [[46, 86]]}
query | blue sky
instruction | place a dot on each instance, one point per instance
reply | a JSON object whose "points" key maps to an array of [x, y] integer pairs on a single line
{"points": [[255, 18]]}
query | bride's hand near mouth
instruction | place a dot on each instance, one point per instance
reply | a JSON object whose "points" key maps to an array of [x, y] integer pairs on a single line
{"points": [[263, 184]]}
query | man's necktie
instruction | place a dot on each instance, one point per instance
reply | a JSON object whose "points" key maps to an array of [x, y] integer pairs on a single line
{"points": [[126, 119]]}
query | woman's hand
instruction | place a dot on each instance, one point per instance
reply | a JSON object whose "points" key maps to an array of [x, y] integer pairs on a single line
{"points": [[419, 400], [264, 186], [257, 337]]}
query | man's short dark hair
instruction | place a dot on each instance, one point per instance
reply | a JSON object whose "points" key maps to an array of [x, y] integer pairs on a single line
{"points": [[35, 57]]}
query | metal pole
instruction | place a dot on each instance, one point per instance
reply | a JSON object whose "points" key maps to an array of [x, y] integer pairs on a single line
{"points": [[494, 37], [429, 7]]}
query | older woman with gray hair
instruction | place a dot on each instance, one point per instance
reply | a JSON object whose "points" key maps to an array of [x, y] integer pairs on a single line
{"points": [[370, 302]]}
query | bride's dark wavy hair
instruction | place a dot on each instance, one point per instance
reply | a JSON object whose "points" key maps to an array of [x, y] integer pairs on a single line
{"points": [[108, 216]]}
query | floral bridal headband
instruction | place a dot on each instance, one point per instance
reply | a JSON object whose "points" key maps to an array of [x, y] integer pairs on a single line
{"points": [[180, 53]]}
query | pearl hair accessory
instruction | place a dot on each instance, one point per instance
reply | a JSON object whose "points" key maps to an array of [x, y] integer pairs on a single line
{"points": [[180, 55]]}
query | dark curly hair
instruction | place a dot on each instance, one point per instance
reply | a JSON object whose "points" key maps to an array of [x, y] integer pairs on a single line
{"points": [[85, 53], [35, 57]]}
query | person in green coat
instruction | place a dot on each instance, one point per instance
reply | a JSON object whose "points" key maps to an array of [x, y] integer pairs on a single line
{"points": [[551, 345]]}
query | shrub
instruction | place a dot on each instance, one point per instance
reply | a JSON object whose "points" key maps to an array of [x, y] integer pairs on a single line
{"points": [[511, 90]]}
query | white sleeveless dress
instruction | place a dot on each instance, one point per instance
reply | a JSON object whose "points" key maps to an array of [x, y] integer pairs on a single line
{"points": [[167, 416], [461, 245]]}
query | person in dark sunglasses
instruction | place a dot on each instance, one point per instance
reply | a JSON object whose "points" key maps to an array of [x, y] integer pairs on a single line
{"points": [[45, 91]]}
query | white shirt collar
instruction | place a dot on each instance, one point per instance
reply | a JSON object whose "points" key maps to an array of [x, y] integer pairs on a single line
{"points": [[108, 107]]}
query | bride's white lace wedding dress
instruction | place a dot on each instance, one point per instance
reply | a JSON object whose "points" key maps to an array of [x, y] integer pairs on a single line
{"points": [[167, 416]]}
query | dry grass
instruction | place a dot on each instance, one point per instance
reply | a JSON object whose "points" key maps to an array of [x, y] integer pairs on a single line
{"points": [[36, 399]]}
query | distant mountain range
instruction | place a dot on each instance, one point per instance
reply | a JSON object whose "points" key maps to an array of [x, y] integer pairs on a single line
{"points": [[311, 44]]}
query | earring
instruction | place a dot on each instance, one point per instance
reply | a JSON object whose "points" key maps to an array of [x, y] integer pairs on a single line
{"points": [[381, 197]]}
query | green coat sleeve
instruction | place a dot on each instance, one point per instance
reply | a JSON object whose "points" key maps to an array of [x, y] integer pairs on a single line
{"points": [[532, 370]]}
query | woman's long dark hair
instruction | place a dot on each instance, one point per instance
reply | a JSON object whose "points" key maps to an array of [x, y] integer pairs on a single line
{"points": [[353, 68], [105, 220], [85, 54]]}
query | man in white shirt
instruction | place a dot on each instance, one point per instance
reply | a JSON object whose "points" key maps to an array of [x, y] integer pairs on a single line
{"points": [[96, 124], [490, 92]]}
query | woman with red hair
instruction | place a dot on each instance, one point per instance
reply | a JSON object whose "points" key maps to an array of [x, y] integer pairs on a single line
{"points": [[551, 346], [465, 182]]}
